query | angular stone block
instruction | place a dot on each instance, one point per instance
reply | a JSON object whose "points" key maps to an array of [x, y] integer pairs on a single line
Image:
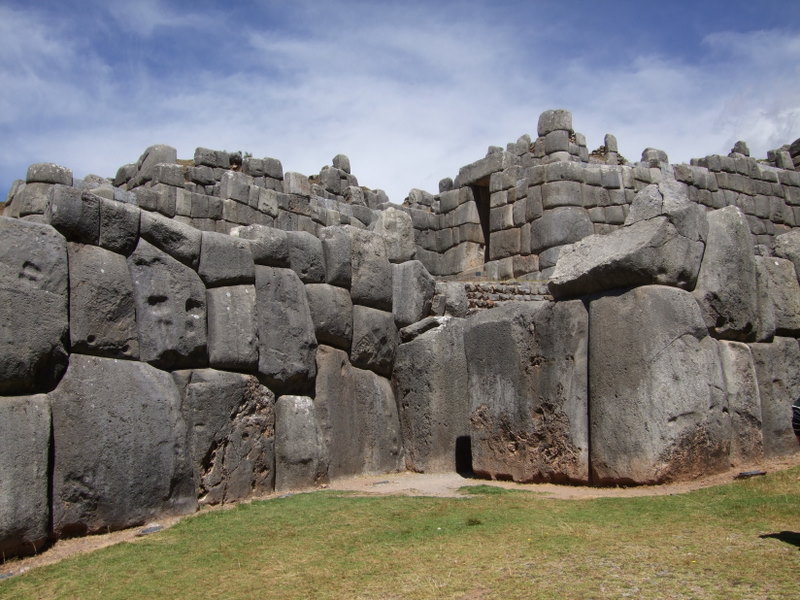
{"points": [[744, 402], [170, 309], [554, 120], [212, 158], [332, 313], [286, 340], [651, 423], [33, 306], [225, 260], [397, 231], [430, 378], [787, 246], [230, 420], [119, 226], [269, 246], [181, 242], [527, 365], [784, 294], [49, 173], [232, 338], [102, 316], [371, 283], [299, 458], [75, 214], [413, 292], [24, 468], [560, 226], [374, 339], [134, 466], [306, 256]]}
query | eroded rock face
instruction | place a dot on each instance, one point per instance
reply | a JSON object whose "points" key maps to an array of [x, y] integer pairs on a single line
{"points": [[299, 453], [135, 464], [527, 366], [232, 339], [744, 402], [650, 422], [230, 420]]}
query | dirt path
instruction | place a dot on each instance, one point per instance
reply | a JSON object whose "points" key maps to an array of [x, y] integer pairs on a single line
{"points": [[407, 484]]}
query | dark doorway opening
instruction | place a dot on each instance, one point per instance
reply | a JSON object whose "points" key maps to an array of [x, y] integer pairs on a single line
{"points": [[480, 191], [464, 456]]}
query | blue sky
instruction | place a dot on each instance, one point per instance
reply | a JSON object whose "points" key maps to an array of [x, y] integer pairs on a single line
{"points": [[410, 91]]}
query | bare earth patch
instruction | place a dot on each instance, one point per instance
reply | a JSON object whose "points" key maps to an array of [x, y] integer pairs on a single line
{"points": [[440, 485]]}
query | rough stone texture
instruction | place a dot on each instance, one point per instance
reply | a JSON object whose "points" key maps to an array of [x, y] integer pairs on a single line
{"points": [[527, 365], [563, 225], [651, 423], [413, 292], [726, 284], [182, 242], [397, 231], [784, 294], [357, 417], [119, 226], [306, 257], [33, 306], [645, 252], [49, 173], [332, 313], [669, 199], [133, 464], [269, 246], [232, 339], [766, 307], [778, 386], [554, 120], [787, 246], [75, 214], [374, 339], [230, 420], [225, 260], [430, 379], [744, 402], [24, 467], [337, 248], [286, 341], [299, 451], [102, 316], [170, 309], [371, 271]]}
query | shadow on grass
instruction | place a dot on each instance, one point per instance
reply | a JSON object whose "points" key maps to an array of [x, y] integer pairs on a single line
{"points": [[789, 537]]}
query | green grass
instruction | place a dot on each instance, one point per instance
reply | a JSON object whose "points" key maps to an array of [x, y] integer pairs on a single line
{"points": [[491, 543]]}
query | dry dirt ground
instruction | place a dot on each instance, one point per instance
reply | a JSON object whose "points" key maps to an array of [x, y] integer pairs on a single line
{"points": [[406, 484]]}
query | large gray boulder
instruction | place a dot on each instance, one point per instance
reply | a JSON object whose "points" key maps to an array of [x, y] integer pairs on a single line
{"points": [[559, 226], [102, 316], [766, 307], [134, 465], [225, 260], [33, 306], [337, 248], [783, 291], [744, 402], [286, 340], [397, 231], [75, 213], [371, 283], [299, 452], [413, 290], [787, 246], [306, 256], [650, 422], [669, 198], [232, 338], [527, 365], [24, 469], [230, 420], [726, 284], [119, 226], [646, 252], [269, 246], [778, 387], [430, 380], [332, 313], [375, 339], [357, 417], [182, 242], [170, 309]]}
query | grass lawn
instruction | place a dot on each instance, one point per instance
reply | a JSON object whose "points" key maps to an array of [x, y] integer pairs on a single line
{"points": [[734, 541]]}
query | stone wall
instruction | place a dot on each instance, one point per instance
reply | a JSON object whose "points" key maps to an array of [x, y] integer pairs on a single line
{"points": [[192, 333]]}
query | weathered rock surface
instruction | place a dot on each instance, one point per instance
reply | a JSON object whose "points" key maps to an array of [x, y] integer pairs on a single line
{"points": [[24, 468], [286, 340], [75, 214], [783, 293], [119, 226], [225, 260], [269, 246], [527, 365], [371, 271], [357, 417], [726, 284], [412, 293], [299, 454], [337, 248], [374, 339], [744, 402], [33, 306], [170, 309], [102, 314], [182, 242], [778, 387], [232, 339], [430, 379], [651, 423], [559, 226], [332, 313], [787, 246], [230, 420], [306, 257], [134, 466], [397, 231]]}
